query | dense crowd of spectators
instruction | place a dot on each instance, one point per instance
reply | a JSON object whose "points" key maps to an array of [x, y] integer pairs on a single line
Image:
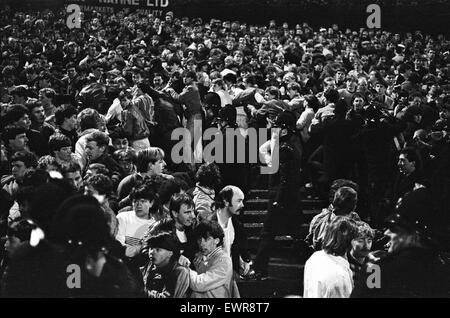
{"points": [[87, 172]]}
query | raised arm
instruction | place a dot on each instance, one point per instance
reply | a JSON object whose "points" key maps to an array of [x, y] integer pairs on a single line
{"points": [[219, 274]]}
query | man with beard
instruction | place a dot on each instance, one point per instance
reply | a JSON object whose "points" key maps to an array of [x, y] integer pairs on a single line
{"points": [[412, 267], [229, 203]]}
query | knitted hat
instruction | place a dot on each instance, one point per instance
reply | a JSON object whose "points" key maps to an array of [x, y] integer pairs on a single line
{"points": [[164, 240]]}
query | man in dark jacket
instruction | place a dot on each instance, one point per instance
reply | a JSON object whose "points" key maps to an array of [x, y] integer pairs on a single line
{"points": [[190, 98], [66, 121], [284, 211], [74, 262], [234, 169], [134, 122], [337, 145], [96, 151], [166, 278], [180, 225], [413, 266], [377, 139], [18, 115], [409, 175], [229, 203], [37, 116]]}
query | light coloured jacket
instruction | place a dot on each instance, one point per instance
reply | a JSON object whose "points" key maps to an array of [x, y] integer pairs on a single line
{"points": [[203, 199], [327, 276], [213, 277]]}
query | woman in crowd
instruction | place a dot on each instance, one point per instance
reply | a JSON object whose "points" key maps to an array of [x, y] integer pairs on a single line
{"points": [[327, 272]]}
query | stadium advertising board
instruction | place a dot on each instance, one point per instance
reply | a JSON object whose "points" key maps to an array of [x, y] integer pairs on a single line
{"points": [[155, 7]]}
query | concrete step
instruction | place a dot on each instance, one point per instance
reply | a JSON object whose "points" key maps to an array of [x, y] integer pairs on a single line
{"points": [[284, 279], [271, 288], [278, 238], [283, 246], [264, 212], [260, 194], [256, 204], [258, 181], [267, 194], [254, 229], [259, 225], [262, 204], [254, 216]]}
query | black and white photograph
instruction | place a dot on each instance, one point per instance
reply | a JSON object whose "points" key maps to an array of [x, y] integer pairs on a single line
{"points": [[247, 151]]}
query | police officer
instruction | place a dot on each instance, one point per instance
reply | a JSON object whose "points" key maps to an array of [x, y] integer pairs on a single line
{"points": [[284, 210], [413, 266]]}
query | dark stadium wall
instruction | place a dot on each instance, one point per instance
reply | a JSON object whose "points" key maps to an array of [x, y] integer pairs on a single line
{"points": [[431, 16]]}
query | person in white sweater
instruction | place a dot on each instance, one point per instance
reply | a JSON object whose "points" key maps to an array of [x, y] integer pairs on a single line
{"points": [[134, 224], [327, 272]]}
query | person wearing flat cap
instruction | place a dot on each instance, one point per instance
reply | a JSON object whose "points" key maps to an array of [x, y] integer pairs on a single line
{"points": [[413, 266], [166, 278]]}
